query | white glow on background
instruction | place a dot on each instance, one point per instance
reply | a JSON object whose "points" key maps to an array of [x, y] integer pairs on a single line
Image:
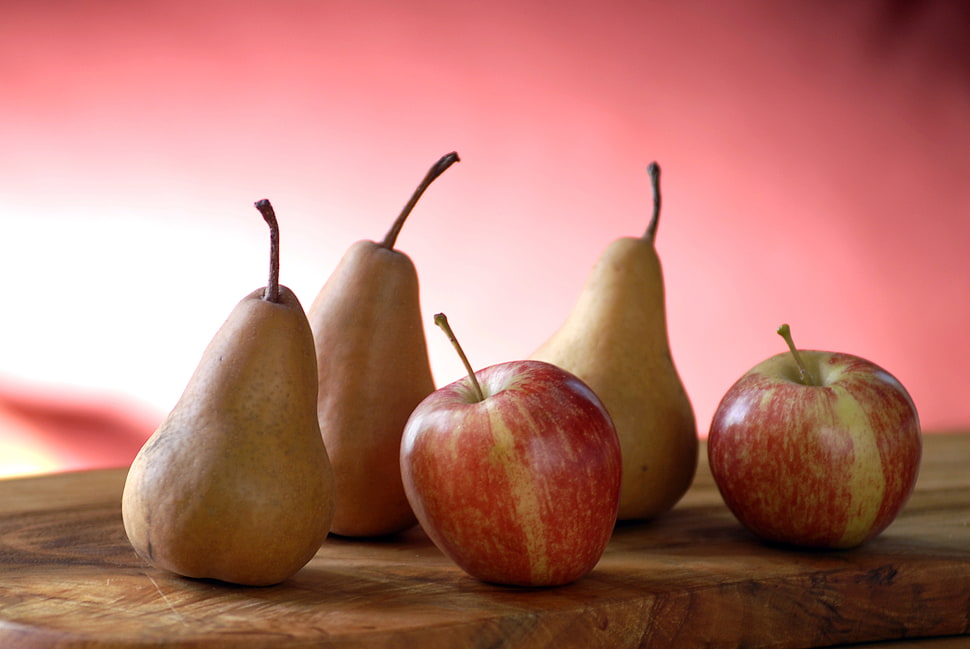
{"points": [[120, 302], [20, 454]]}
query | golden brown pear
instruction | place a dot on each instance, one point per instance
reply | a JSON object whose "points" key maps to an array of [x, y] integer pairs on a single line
{"points": [[235, 484], [373, 370], [615, 339]]}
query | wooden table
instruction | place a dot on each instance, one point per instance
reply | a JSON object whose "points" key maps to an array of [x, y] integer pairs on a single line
{"points": [[68, 578]]}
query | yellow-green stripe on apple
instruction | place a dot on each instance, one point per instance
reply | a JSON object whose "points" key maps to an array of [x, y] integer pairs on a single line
{"points": [[815, 449], [514, 472]]}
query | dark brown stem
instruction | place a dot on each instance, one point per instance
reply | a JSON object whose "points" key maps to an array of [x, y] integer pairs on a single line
{"points": [[439, 167], [654, 170], [272, 293], [441, 320]]}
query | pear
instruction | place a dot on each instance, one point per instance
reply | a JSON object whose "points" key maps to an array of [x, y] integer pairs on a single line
{"points": [[373, 368], [615, 339], [235, 484]]}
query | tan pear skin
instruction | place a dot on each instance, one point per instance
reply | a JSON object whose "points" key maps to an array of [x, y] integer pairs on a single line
{"points": [[373, 370], [615, 339], [235, 484]]}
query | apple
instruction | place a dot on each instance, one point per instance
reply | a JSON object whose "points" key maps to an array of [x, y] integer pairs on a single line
{"points": [[815, 449], [514, 472]]}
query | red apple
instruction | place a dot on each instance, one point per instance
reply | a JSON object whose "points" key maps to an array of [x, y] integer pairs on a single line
{"points": [[815, 449], [514, 473]]}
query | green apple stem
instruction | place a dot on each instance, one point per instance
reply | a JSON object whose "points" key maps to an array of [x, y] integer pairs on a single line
{"points": [[654, 170], [441, 320], [439, 168], [785, 332], [272, 293]]}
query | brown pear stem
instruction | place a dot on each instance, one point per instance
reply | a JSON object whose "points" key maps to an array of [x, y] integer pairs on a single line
{"points": [[272, 293], [439, 167], [785, 332], [654, 170], [441, 320]]}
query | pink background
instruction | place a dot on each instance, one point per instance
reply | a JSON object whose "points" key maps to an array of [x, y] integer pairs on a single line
{"points": [[815, 171]]}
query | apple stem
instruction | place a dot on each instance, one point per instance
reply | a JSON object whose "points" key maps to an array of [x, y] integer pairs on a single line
{"points": [[654, 170], [785, 332], [441, 320], [272, 293], [439, 168]]}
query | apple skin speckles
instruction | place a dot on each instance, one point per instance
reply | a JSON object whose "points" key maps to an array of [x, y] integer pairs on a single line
{"points": [[816, 466]]}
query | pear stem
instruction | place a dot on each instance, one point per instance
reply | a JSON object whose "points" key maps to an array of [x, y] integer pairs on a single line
{"points": [[654, 170], [272, 293], [785, 332], [441, 320], [439, 167]]}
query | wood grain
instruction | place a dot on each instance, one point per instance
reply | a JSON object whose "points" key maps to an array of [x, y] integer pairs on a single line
{"points": [[68, 578]]}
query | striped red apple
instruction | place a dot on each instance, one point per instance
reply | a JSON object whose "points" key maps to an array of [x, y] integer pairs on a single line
{"points": [[815, 449], [514, 472]]}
